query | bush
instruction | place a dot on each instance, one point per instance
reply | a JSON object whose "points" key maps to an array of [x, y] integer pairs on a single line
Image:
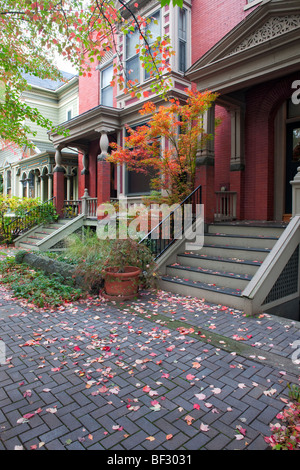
{"points": [[286, 435], [91, 255], [19, 214], [36, 287]]}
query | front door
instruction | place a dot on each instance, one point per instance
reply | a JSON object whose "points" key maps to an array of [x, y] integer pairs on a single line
{"points": [[292, 161]]}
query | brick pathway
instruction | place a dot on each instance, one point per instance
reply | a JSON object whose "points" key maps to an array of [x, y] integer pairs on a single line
{"points": [[94, 375]]}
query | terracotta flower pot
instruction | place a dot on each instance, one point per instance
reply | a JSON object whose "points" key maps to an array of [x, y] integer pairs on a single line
{"points": [[121, 286]]}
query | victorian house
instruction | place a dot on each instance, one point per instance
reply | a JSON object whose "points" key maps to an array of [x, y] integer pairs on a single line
{"points": [[248, 52], [28, 172]]}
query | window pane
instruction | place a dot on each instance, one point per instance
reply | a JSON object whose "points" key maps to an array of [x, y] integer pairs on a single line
{"points": [[182, 24], [133, 69], [107, 96], [106, 76], [132, 39], [157, 58], [154, 27], [182, 56]]}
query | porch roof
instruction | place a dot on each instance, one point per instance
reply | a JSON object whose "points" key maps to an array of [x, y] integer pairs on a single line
{"points": [[264, 46], [87, 126]]}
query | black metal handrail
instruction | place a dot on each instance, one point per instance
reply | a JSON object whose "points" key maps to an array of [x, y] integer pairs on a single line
{"points": [[23, 223], [164, 234]]}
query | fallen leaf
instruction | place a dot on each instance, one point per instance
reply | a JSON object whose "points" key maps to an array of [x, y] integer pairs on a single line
{"points": [[204, 427], [169, 436], [190, 377], [189, 419]]}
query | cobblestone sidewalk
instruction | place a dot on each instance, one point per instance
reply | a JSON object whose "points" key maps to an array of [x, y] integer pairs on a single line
{"points": [[160, 373]]}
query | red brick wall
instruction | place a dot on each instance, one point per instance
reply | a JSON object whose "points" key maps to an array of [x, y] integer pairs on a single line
{"points": [[89, 90], [211, 20], [222, 149], [263, 102]]}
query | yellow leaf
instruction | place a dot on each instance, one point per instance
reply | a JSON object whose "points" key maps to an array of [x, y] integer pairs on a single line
{"points": [[150, 438]]}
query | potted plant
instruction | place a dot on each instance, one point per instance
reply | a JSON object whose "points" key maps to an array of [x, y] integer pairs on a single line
{"points": [[128, 268]]}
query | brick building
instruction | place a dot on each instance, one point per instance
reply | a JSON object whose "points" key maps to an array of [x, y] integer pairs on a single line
{"points": [[248, 52]]}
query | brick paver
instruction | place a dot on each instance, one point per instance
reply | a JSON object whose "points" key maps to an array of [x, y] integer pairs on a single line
{"points": [[96, 375]]}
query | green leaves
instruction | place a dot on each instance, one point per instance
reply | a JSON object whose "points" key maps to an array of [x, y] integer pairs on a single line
{"points": [[178, 3]]}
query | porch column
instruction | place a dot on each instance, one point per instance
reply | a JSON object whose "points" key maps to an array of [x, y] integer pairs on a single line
{"points": [[58, 182], [103, 169], [68, 185], [85, 169], [205, 171], [50, 186], [237, 160], [42, 186]]}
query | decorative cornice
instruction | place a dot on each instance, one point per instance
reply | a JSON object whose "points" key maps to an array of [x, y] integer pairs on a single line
{"points": [[273, 28]]}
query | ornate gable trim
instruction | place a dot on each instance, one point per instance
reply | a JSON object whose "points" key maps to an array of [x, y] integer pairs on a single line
{"points": [[273, 28]]}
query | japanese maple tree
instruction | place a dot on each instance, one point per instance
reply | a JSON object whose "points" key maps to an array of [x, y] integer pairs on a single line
{"points": [[181, 127], [32, 33]]}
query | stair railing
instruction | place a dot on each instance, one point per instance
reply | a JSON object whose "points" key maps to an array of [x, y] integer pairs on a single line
{"points": [[28, 220], [168, 230]]}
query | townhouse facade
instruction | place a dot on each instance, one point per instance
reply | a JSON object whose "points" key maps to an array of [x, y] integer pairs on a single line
{"points": [[28, 172], [244, 50]]}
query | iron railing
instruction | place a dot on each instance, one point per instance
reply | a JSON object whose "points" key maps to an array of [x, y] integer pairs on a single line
{"points": [[170, 229], [23, 223]]}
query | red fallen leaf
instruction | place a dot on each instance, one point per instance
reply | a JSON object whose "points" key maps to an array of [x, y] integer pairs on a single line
{"points": [[169, 436], [146, 389], [190, 377], [196, 406], [77, 348], [106, 348]]}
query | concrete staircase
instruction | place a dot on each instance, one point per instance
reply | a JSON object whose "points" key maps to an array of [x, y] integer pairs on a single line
{"points": [[43, 237], [221, 270]]}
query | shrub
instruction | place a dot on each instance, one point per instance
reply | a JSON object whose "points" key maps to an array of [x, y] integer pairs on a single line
{"points": [[286, 435], [91, 255], [36, 287]]}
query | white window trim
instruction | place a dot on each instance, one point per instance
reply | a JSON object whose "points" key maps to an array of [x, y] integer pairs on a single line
{"points": [[252, 4], [142, 79], [101, 69], [67, 112], [175, 39]]}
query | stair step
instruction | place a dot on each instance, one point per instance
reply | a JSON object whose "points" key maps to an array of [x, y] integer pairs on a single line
{"points": [[246, 253], [217, 295], [27, 245], [211, 276], [267, 229], [33, 237], [236, 265], [247, 241]]}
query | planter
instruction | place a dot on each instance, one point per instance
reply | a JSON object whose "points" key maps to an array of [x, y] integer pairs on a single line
{"points": [[121, 286]]}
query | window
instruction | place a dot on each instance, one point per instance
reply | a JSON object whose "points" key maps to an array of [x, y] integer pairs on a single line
{"points": [[69, 114], [251, 3], [8, 179], [106, 91], [155, 31], [182, 40], [132, 57], [137, 183]]}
